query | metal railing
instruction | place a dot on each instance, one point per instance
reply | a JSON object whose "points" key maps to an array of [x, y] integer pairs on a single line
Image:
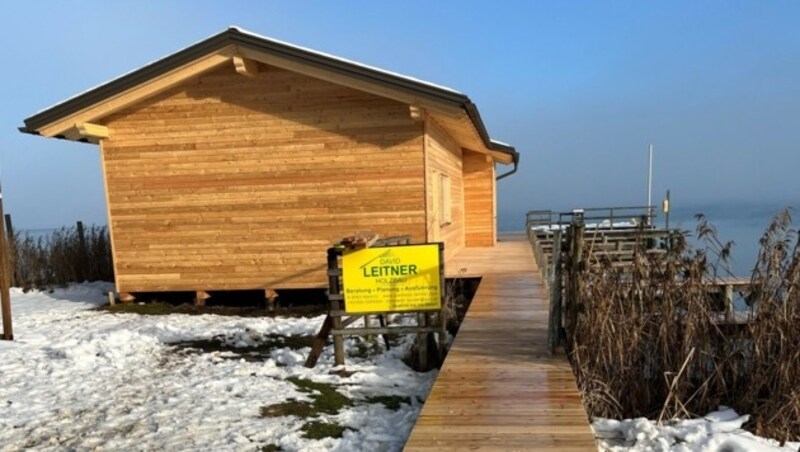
{"points": [[594, 217]]}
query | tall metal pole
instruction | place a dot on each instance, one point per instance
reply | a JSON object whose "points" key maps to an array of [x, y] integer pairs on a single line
{"points": [[5, 291], [650, 178]]}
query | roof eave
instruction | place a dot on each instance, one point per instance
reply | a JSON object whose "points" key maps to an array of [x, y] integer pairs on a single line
{"points": [[477, 121], [133, 78], [236, 37]]}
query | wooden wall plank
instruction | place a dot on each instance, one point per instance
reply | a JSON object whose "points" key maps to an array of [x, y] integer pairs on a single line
{"points": [[230, 182], [479, 200], [443, 156]]}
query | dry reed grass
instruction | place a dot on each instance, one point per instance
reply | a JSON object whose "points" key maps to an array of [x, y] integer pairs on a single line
{"points": [[61, 257], [649, 340]]}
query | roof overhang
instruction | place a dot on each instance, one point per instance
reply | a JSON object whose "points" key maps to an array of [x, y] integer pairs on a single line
{"points": [[77, 118]]}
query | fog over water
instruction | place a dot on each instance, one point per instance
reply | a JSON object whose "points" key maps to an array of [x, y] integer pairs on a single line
{"points": [[743, 223]]}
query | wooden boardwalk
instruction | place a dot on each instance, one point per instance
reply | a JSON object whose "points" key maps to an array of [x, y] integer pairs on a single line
{"points": [[499, 388]]}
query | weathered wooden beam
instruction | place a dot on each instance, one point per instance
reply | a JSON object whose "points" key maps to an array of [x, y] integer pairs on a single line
{"points": [[269, 297], [245, 66], [417, 113], [89, 130], [334, 288], [5, 280], [319, 342], [200, 298]]}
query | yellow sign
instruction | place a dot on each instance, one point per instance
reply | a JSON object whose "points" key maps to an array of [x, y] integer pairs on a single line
{"points": [[392, 279]]}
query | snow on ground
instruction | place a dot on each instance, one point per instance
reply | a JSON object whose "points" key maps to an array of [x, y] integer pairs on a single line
{"points": [[78, 378], [717, 431]]}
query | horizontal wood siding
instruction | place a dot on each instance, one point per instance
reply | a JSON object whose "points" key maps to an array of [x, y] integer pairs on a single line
{"points": [[235, 182], [443, 156], [479, 200]]}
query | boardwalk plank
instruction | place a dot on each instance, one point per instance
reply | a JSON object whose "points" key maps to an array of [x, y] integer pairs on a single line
{"points": [[499, 388]]}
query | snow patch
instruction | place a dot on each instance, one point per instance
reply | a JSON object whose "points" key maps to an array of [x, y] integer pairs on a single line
{"points": [[717, 431], [118, 349], [78, 378]]}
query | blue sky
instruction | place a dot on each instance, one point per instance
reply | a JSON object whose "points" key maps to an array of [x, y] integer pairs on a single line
{"points": [[580, 88]]}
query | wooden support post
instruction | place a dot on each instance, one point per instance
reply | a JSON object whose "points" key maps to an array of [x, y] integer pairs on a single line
{"points": [[422, 344], [89, 130], [319, 342], [554, 327], [443, 310], [576, 268], [433, 348], [245, 66], [269, 299], [83, 253], [200, 298], [545, 270], [442, 336], [730, 308], [382, 322], [368, 324], [9, 225], [112, 301], [13, 274], [417, 113], [334, 289], [5, 271]]}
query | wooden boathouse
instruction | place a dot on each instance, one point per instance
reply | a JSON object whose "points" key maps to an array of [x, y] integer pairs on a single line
{"points": [[234, 163]]}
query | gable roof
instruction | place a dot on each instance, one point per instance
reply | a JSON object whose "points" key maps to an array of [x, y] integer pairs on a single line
{"points": [[432, 95]]}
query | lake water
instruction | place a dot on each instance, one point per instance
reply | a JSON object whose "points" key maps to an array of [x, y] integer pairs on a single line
{"points": [[743, 224]]}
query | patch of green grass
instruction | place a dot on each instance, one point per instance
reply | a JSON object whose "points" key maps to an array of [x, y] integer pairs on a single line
{"points": [[141, 308], [320, 430], [251, 353], [328, 401], [296, 342], [325, 399], [290, 408], [392, 402]]}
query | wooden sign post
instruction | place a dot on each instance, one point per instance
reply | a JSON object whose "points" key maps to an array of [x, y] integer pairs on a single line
{"points": [[5, 272]]}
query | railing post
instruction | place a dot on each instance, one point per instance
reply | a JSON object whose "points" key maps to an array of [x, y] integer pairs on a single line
{"points": [[729, 300], [554, 327], [575, 270]]}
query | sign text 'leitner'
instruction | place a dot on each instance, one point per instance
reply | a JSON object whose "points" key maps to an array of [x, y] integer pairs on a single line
{"points": [[398, 278]]}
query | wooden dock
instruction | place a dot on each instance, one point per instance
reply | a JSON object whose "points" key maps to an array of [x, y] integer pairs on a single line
{"points": [[499, 388]]}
